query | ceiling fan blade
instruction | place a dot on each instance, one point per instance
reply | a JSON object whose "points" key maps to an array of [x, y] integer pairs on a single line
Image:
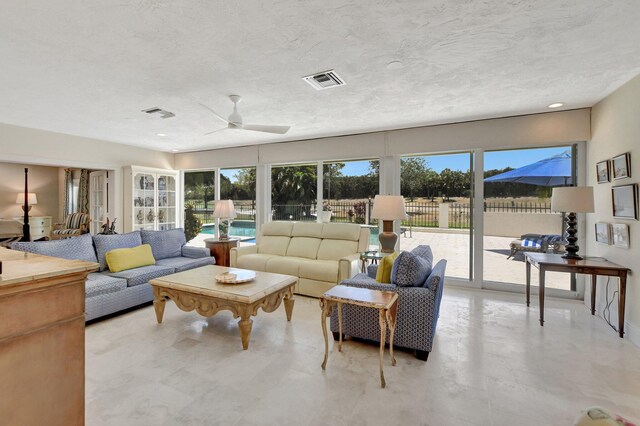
{"points": [[281, 130], [216, 131], [216, 114]]}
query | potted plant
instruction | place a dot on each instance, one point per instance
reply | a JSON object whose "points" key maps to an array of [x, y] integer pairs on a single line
{"points": [[326, 213]]}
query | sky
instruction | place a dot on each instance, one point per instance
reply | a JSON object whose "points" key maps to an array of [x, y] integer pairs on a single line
{"points": [[492, 160]]}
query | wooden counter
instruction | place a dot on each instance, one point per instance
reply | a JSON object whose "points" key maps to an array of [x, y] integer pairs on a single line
{"points": [[42, 339]]}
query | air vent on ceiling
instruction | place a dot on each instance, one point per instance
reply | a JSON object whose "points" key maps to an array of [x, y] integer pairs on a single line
{"points": [[324, 80], [156, 110]]}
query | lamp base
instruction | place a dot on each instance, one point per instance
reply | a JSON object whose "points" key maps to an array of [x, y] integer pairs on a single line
{"points": [[572, 248], [387, 237]]}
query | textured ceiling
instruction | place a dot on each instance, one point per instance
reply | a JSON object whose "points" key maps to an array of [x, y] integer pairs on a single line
{"points": [[88, 68]]}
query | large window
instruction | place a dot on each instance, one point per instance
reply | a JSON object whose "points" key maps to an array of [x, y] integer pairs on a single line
{"points": [[293, 192], [239, 185], [437, 191], [517, 211]]}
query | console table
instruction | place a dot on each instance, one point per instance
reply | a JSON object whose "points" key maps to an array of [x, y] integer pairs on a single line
{"points": [[589, 266]]}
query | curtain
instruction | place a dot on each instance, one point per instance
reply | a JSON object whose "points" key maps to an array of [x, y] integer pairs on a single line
{"points": [[83, 192], [68, 192]]}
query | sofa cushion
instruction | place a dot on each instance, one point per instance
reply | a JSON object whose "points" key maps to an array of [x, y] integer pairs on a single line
{"points": [[410, 270], [285, 265], [165, 243], [129, 258], [383, 274], [304, 247], [320, 270], [105, 243], [277, 228], [341, 231], [142, 275], [336, 249], [276, 245], [98, 284], [307, 229], [256, 262], [77, 248], [184, 263]]}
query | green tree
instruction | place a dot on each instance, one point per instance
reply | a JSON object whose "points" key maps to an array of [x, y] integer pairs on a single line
{"points": [[331, 171], [413, 172]]}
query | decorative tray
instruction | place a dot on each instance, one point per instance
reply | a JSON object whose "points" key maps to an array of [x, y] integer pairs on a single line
{"points": [[235, 276]]}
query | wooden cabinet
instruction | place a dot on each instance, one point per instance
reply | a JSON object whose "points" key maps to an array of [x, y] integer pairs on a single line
{"points": [[151, 198], [39, 226], [42, 339]]}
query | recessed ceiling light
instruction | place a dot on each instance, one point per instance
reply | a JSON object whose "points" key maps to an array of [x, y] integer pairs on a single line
{"points": [[161, 134], [556, 105], [174, 150]]}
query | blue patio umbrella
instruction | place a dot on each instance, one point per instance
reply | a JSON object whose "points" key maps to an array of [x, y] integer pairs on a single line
{"points": [[552, 171]]}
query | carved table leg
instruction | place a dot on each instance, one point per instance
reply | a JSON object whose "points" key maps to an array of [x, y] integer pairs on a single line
{"points": [[325, 305], [391, 320], [288, 304], [158, 305], [383, 336], [245, 325]]}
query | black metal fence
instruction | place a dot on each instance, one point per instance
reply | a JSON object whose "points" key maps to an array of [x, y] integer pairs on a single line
{"points": [[424, 214]]}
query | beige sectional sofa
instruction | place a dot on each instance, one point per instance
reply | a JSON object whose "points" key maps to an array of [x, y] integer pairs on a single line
{"points": [[320, 254]]}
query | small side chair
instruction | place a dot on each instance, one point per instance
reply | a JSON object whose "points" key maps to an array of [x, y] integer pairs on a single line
{"points": [[75, 224]]}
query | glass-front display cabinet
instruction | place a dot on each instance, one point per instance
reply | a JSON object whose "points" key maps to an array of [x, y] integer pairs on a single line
{"points": [[151, 199]]}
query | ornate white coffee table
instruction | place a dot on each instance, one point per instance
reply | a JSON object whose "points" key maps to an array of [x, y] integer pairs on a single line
{"points": [[198, 289]]}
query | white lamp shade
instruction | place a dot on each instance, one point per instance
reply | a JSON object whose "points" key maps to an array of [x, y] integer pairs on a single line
{"points": [[224, 209], [32, 198], [388, 207], [575, 199]]}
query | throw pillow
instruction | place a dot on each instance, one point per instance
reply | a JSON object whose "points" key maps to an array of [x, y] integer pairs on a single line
{"points": [[384, 268], [129, 258], [424, 251], [105, 243], [409, 270]]}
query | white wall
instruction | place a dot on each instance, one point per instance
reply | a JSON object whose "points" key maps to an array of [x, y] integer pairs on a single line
{"points": [[43, 181], [525, 131], [615, 130], [40, 147]]}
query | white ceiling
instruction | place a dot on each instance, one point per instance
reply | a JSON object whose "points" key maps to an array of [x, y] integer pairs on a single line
{"points": [[88, 68]]}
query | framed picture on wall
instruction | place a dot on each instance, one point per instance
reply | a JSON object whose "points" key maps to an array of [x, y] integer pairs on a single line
{"points": [[621, 166], [620, 235], [603, 233], [625, 201], [602, 171]]}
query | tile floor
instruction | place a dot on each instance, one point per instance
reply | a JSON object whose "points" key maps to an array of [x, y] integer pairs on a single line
{"points": [[492, 364]]}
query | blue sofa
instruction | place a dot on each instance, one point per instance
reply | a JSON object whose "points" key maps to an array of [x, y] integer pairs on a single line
{"points": [[418, 307], [107, 292]]}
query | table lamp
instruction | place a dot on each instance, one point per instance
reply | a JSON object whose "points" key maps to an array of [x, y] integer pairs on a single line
{"points": [[31, 199], [388, 208], [572, 200], [224, 211]]}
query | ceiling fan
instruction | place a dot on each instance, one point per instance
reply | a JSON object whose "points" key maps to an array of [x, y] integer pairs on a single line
{"points": [[235, 121]]}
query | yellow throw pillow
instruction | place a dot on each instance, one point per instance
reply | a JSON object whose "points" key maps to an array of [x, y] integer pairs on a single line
{"points": [[384, 268], [128, 258]]}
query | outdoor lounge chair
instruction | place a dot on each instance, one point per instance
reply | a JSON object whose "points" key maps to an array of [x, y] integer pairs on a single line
{"points": [[537, 243]]}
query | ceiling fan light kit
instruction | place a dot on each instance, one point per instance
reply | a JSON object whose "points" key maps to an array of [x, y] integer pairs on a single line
{"points": [[235, 121]]}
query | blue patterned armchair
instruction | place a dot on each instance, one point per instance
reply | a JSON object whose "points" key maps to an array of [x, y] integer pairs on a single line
{"points": [[418, 310]]}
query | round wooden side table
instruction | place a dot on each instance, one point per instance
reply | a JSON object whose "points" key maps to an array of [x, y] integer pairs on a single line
{"points": [[220, 249]]}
